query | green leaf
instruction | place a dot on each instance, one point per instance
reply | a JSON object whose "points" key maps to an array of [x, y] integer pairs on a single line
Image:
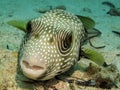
{"points": [[87, 22], [93, 56], [20, 24]]}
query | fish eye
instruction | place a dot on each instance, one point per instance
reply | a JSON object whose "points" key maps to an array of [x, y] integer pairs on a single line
{"points": [[68, 41], [65, 42]]}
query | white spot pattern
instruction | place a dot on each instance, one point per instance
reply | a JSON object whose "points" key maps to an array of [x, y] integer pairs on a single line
{"points": [[44, 46]]}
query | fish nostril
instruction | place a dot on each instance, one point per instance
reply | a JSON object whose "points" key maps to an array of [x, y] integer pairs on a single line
{"points": [[26, 64], [33, 67]]}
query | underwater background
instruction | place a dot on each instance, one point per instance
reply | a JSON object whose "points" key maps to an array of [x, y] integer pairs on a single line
{"points": [[105, 13]]}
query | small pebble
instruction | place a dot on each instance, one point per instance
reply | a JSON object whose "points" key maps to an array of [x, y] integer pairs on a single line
{"points": [[7, 46], [44, 10], [118, 54], [61, 7], [10, 84], [114, 12], [85, 9], [118, 47], [10, 15]]}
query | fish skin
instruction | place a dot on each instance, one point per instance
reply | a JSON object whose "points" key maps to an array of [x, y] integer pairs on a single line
{"points": [[51, 45]]}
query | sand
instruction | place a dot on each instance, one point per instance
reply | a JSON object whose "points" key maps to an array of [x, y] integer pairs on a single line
{"points": [[10, 37]]}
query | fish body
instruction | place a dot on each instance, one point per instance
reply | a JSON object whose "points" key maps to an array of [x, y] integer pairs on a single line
{"points": [[51, 45]]}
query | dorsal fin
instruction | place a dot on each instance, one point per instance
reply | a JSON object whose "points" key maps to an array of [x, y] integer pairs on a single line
{"points": [[88, 23]]}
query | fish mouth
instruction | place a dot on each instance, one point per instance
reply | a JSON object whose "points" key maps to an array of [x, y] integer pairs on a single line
{"points": [[34, 67], [34, 70]]}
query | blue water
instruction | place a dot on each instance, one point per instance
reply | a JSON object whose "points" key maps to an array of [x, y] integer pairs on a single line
{"points": [[11, 37], [24, 9]]}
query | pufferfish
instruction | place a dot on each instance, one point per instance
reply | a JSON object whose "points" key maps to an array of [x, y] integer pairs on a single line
{"points": [[51, 45]]}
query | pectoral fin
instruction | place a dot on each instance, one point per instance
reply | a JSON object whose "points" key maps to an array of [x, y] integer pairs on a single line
{"points": [[20, 24], [93, 56]]}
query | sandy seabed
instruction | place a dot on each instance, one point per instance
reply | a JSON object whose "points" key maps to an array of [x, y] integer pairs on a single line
{"points": [[10, 37]]}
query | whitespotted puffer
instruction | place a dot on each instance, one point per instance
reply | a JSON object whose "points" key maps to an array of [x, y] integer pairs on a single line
{"points": [[51, 45]]}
